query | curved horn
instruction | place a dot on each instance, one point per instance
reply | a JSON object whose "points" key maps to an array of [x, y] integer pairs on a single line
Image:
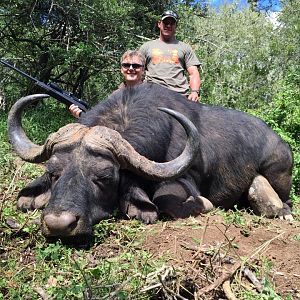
{"points": [[24, 147], [132, 160]]}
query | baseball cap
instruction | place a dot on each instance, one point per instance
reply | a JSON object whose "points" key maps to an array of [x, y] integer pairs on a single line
{"points": [[169, 14]]}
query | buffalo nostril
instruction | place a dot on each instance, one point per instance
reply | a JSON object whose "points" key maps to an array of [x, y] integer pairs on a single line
{"points": [[61, 224]]}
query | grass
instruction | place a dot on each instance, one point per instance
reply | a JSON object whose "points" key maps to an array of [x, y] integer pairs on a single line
{"points": [[30, 266], [115, 265]]}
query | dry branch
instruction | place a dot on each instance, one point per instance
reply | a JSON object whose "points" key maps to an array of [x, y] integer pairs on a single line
{"points": [[249, 274], [219, 281], [42, 293], [229, 273], [168, 290], [227, 290]]}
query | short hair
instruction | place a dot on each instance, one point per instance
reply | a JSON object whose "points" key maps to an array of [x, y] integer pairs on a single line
{"points": [[132, 53]]}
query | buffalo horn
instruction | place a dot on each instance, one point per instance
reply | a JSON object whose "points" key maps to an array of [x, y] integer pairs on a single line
{"points": [[24, 147], [103, 137]]}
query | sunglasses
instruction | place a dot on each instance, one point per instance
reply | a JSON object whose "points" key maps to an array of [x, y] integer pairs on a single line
{"points": [[134, 66], [169, 21]]}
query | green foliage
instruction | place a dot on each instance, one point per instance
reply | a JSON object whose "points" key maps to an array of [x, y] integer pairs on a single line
{"points": [[283, 115], [235, 217], [289, 36], [238, 61], [44, 118], [268, 293], [63, 272], [296, 237], [74, 44]]}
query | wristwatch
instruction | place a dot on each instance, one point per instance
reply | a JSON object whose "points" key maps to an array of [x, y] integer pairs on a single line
{"points": [[195, 91]]}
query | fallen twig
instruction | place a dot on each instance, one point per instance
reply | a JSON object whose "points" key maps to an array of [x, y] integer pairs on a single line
{"points": [[151, 278], [111, 295], [227, 290], [202, 238], [219, 281], [250, 275], [229, 273], [42, 293], [167, 289]]}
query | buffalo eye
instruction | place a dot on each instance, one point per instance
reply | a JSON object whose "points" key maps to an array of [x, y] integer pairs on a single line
{"points": [[103, 178], [54, 177]]}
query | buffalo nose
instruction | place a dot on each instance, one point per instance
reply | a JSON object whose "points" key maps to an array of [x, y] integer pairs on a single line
{"points": [[61, 224]]}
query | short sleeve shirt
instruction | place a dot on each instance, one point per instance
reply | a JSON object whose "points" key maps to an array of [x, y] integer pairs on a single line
{"points": [[166, 63]]}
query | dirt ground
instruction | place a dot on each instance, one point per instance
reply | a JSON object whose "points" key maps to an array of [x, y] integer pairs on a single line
{"points": [[206, 248]]}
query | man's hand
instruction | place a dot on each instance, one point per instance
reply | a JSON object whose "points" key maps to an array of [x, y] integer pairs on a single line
{"points": [[75, 110], [193, 96]]}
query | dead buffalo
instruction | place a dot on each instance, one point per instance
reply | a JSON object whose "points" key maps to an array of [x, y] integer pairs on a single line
{"points": [[126, 153]]}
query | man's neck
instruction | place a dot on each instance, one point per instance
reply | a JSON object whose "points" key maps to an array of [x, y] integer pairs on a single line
{"points": [[130, 83], [167, 40]]}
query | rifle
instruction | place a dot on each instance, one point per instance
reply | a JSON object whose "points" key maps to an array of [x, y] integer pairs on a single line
{"points": [[52, 89]]}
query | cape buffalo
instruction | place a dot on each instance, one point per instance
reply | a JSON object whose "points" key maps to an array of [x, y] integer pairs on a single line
{"points": [[126, 153]]}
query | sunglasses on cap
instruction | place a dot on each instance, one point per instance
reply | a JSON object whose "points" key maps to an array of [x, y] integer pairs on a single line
{"points": [[134, 66]]}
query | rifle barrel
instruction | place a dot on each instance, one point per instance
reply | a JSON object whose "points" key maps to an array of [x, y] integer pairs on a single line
{"points": [[17, 70], [52, 89]]}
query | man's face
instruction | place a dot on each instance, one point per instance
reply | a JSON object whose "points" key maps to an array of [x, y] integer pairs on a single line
{"points": [[167, 28], [132, 69]]}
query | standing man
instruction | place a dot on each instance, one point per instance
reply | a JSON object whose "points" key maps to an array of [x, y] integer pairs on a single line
{"points": [[167, 60]]}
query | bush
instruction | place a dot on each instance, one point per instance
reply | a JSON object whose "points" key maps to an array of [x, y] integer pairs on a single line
{"points": [[283, 115]]}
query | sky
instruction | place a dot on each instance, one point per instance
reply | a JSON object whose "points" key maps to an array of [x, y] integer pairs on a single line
{"points": [[275, 4]]}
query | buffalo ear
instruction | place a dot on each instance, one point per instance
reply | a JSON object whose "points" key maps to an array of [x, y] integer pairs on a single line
{"points": [[35, 195], [32, 203]]}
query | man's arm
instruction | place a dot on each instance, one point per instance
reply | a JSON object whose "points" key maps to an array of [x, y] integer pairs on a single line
{"points": [[195, 82]]}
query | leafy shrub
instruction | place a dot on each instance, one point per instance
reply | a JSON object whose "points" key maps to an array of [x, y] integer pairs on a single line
{"points": [[283, 115]]}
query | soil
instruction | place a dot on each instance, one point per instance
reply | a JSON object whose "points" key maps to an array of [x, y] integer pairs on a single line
{"points": [[206, 248]]}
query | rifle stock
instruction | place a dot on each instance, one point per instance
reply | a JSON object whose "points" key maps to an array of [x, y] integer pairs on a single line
{"points": [[52, 89]]}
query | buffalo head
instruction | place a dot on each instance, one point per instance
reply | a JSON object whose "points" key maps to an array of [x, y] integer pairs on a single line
{"points": [[83, 169]]}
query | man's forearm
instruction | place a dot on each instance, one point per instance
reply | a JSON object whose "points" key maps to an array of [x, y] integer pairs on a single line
{"points": [[195, 82]]}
